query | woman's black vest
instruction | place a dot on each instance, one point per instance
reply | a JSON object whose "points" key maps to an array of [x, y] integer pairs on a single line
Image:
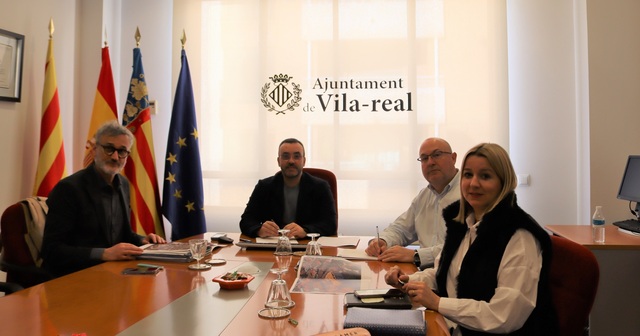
{"points": [[478, 276]]}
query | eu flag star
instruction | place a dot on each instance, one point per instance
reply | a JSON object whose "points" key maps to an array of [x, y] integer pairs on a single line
{"points": [[190, 207], [182, 142], [171, 178], [172, 159]]}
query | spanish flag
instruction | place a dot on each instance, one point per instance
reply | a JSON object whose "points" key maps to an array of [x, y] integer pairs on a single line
{"points": [[140, 168], [104, 105], [51, 162]]}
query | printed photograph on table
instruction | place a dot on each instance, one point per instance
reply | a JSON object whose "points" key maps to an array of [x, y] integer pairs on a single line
{"points": [[323, 274]]}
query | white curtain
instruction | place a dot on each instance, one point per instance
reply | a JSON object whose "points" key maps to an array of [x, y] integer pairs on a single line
{"points": [[439, 65]]}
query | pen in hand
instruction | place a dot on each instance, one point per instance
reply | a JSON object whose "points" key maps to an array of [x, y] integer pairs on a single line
{"points": [[378, 239]]}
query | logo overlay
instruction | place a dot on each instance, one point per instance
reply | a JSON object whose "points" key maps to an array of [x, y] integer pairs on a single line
{"points": [[284, 96], [351, 95]]}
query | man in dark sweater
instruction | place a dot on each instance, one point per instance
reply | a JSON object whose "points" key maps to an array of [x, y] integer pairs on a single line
{"points": [[88, 218], [291, 200]]}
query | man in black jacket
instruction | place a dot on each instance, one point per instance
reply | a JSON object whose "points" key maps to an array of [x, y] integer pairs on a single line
{"points": [[291, 200], [89, 214]]}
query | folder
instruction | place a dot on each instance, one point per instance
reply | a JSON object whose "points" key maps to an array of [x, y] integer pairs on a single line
{"points": [[387, 322], [396, 302]]}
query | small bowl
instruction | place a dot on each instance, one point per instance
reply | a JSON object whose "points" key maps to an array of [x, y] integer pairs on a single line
{"points": [[233, 284]]}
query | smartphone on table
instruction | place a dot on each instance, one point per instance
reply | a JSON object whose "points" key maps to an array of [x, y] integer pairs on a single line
{"points": [[378, 293]]}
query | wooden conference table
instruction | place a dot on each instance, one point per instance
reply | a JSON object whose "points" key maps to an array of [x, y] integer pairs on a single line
{"points": [[101, 301], [615, 310]]}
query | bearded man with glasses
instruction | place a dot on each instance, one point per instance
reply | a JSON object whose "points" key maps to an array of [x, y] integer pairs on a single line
{"points": [[89, 213], [423, 221], [291, 199]]}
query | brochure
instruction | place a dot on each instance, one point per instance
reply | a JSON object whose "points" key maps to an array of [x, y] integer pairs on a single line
{"points": [[324, 274]]}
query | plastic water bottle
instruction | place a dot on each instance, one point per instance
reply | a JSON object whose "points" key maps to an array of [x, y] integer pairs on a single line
{"points": [[597, 225]]}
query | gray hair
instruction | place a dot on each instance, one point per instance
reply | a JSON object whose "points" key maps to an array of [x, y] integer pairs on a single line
{"points": [[113, 129]]}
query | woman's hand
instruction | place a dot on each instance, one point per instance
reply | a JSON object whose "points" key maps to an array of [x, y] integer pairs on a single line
{"points": [[396, 278], [420, 293]]}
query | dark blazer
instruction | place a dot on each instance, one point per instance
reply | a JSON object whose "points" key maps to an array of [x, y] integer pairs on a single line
{"points": [[76, 222], [315, 212]]}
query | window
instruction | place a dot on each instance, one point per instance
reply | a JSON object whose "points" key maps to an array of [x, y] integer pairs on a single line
{"points": [[440, 64]]}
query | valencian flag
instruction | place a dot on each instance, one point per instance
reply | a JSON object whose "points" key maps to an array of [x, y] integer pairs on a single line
{"points": [[183, 199], [51, 162], [140, 168], [104, 105]]}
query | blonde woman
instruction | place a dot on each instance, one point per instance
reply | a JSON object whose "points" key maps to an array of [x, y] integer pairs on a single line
{"points": [[492, 274]]}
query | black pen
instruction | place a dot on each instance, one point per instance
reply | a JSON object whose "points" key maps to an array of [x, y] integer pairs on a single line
{"points": [[245, 240]]}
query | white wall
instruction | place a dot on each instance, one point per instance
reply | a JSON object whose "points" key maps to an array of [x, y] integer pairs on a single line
{"points": [[545, 113], [614, 71], [20, 122], [547, 91]]}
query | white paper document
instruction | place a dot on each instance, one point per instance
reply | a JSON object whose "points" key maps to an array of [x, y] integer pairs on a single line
{"points": [[272, 240], [339, 241], [355, 254]]}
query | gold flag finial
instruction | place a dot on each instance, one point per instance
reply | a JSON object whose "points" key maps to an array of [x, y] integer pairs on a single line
{"points": [[137, 37], [51, 28], [105, 36], [183, 39]]}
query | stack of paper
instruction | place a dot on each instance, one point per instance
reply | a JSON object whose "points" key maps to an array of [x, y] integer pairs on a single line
{"points": [[354, 254], [174, 251], [343, 241]]}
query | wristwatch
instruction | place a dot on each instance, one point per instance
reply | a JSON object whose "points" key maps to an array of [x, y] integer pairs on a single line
{"points": [[416, 259]]}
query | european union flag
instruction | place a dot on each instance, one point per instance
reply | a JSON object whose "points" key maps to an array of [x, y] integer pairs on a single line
{"points": [[183, 198]]}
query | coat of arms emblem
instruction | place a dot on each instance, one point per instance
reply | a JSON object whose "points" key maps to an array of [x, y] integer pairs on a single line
{"points": [[284, 96]]}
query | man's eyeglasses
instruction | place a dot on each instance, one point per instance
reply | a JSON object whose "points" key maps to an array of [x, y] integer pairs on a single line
{"points": [[287, 156], [435, 155], [109, 150]]}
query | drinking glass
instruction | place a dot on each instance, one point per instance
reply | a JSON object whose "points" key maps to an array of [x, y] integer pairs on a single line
{"points": [[198, 249], [284, 252], [279, 296], [313, 248]]}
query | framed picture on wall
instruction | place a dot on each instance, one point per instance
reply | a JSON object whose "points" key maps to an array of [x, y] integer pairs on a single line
{"points": [[11, 56]]}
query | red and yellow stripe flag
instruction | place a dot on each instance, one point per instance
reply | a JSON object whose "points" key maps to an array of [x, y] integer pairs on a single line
{"points": [[141, 168], [104, 105], [51, 162]]}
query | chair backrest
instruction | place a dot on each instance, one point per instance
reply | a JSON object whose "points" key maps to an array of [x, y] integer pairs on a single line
{"points": [[330, 177], [22, 226], [574, 275]]}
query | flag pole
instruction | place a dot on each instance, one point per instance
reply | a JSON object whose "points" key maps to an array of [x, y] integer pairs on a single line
{"points": [[51, 28], [137, 37]]}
